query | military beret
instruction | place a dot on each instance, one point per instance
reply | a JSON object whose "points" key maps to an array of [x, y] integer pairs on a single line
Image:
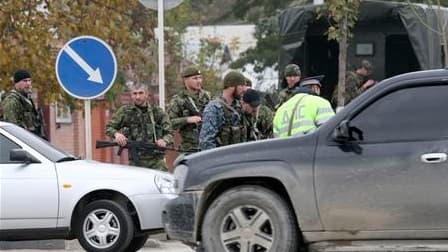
{"points": [[252, 97], [21, 75], [292, 70], [314, 80], [191, 71], [233, 79]]}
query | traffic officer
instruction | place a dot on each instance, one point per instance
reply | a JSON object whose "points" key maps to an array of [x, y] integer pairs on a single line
{"points": [[186, 107], [304, 112]]}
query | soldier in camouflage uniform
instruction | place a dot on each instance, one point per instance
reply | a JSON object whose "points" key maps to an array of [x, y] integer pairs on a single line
{"points": [[292, 76], [185, 108], [257, 118], [144, 122], [18, 107], [257, 122], [222, 122], [356, 82]]}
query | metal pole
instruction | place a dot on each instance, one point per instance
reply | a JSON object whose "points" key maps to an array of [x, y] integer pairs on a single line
{"points": [[88, 120], [160, 18]]}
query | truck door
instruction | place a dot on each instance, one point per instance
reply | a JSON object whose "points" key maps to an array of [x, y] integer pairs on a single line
{"points": [[392, 175]]}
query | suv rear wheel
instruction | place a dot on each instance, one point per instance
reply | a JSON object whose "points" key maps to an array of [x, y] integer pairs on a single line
{"points": [[249, 218], [105, 226]]}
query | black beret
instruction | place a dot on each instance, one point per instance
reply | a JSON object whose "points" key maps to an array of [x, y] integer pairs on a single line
{"points": [[252, 97], [21, 75]]}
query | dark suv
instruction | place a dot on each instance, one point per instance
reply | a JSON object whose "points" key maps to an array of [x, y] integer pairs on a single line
{"points": [[376, 171]]}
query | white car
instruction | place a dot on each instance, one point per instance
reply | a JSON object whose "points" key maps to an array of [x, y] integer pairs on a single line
{"points": [[46, 193]]}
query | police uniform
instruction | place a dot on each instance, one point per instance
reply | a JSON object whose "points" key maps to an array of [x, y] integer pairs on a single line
{"points": [[146, 124], [302, 114], [222, 123], [186, 104], [19, 109]]}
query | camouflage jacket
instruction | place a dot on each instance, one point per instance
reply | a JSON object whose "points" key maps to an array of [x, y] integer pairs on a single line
{"points": [[18, 109], [353, 87], [259, 126], [221, 124], [183, 105], [146, 124], [284, 95]]}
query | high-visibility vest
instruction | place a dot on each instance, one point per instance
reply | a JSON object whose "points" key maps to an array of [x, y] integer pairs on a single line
{"points": [[301, 114]]}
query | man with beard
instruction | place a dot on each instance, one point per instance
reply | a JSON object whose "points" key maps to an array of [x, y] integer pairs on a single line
{"points": [[142, 122], [186, 107], [222, 122], [18, 107]]}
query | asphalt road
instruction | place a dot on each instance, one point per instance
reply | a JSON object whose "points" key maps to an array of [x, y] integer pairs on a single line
{"points": [[153, 245]]}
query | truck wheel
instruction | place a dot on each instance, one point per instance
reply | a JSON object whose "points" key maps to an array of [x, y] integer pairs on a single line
{"points": [[137, 243], [105, 226], [249, 218]]}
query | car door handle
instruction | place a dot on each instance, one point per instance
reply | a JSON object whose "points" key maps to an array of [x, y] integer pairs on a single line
{"points": [[432, 158]]}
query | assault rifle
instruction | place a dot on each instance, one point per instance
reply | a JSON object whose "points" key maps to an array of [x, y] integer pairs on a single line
{"points": [[135, 146]]}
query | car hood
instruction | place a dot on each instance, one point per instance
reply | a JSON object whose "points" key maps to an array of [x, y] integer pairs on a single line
{"points": [[202, 164], [90, 169]]}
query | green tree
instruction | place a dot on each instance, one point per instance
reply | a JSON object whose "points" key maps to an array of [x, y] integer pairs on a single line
{"points": [[32, 31], [342, 16]]}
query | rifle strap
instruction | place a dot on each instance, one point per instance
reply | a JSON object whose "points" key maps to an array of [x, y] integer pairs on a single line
{"points": [[151, 116], [193, 104]]}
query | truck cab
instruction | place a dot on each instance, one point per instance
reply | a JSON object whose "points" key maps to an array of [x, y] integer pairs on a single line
{"points": [[376, 171]]}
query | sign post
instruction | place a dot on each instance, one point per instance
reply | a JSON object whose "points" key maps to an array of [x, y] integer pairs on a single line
{"points": [[86, 68], [165, 5]]}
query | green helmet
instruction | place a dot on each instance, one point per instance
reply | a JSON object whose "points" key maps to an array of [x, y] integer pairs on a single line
{"points": [[292, 70]]}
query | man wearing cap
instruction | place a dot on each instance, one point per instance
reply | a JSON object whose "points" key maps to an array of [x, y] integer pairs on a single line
{"points": [[258, 125], [258, 122], [304, 112], [18, 107], [185, 108], [357, 82], [222, 122], [292, 76]]}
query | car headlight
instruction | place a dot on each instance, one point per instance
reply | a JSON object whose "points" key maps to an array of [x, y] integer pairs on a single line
{"points": [[180, 173], [165, 183]]}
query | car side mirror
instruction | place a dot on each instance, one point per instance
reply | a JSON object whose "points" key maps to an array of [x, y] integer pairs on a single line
{"points": [[342, 132], [21, 155]]}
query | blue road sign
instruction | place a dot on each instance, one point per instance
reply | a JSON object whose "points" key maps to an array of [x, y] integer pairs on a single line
{"points": [[86, 67]]}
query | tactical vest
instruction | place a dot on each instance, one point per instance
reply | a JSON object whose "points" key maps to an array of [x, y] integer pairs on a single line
{"points": [[230, 133], [31, 118]]}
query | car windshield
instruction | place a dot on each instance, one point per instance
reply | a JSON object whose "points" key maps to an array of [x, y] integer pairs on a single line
{"points": [[51, 152]]}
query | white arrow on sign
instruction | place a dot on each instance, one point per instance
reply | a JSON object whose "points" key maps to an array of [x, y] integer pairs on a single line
{"points": [[94, 75]]}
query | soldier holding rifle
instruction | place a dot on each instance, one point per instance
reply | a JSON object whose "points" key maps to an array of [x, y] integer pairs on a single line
{"points": [[142, 122], [186, 107]]}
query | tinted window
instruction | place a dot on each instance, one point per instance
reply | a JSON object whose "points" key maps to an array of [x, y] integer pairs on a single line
{"points": [[417, 113], [5, 146], [43, 147]]}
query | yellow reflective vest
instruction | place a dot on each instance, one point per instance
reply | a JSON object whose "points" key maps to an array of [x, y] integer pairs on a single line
{"points": [[301, 114]]}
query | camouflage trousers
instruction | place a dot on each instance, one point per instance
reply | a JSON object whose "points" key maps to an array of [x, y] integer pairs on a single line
{"points": [[157, 163]]}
